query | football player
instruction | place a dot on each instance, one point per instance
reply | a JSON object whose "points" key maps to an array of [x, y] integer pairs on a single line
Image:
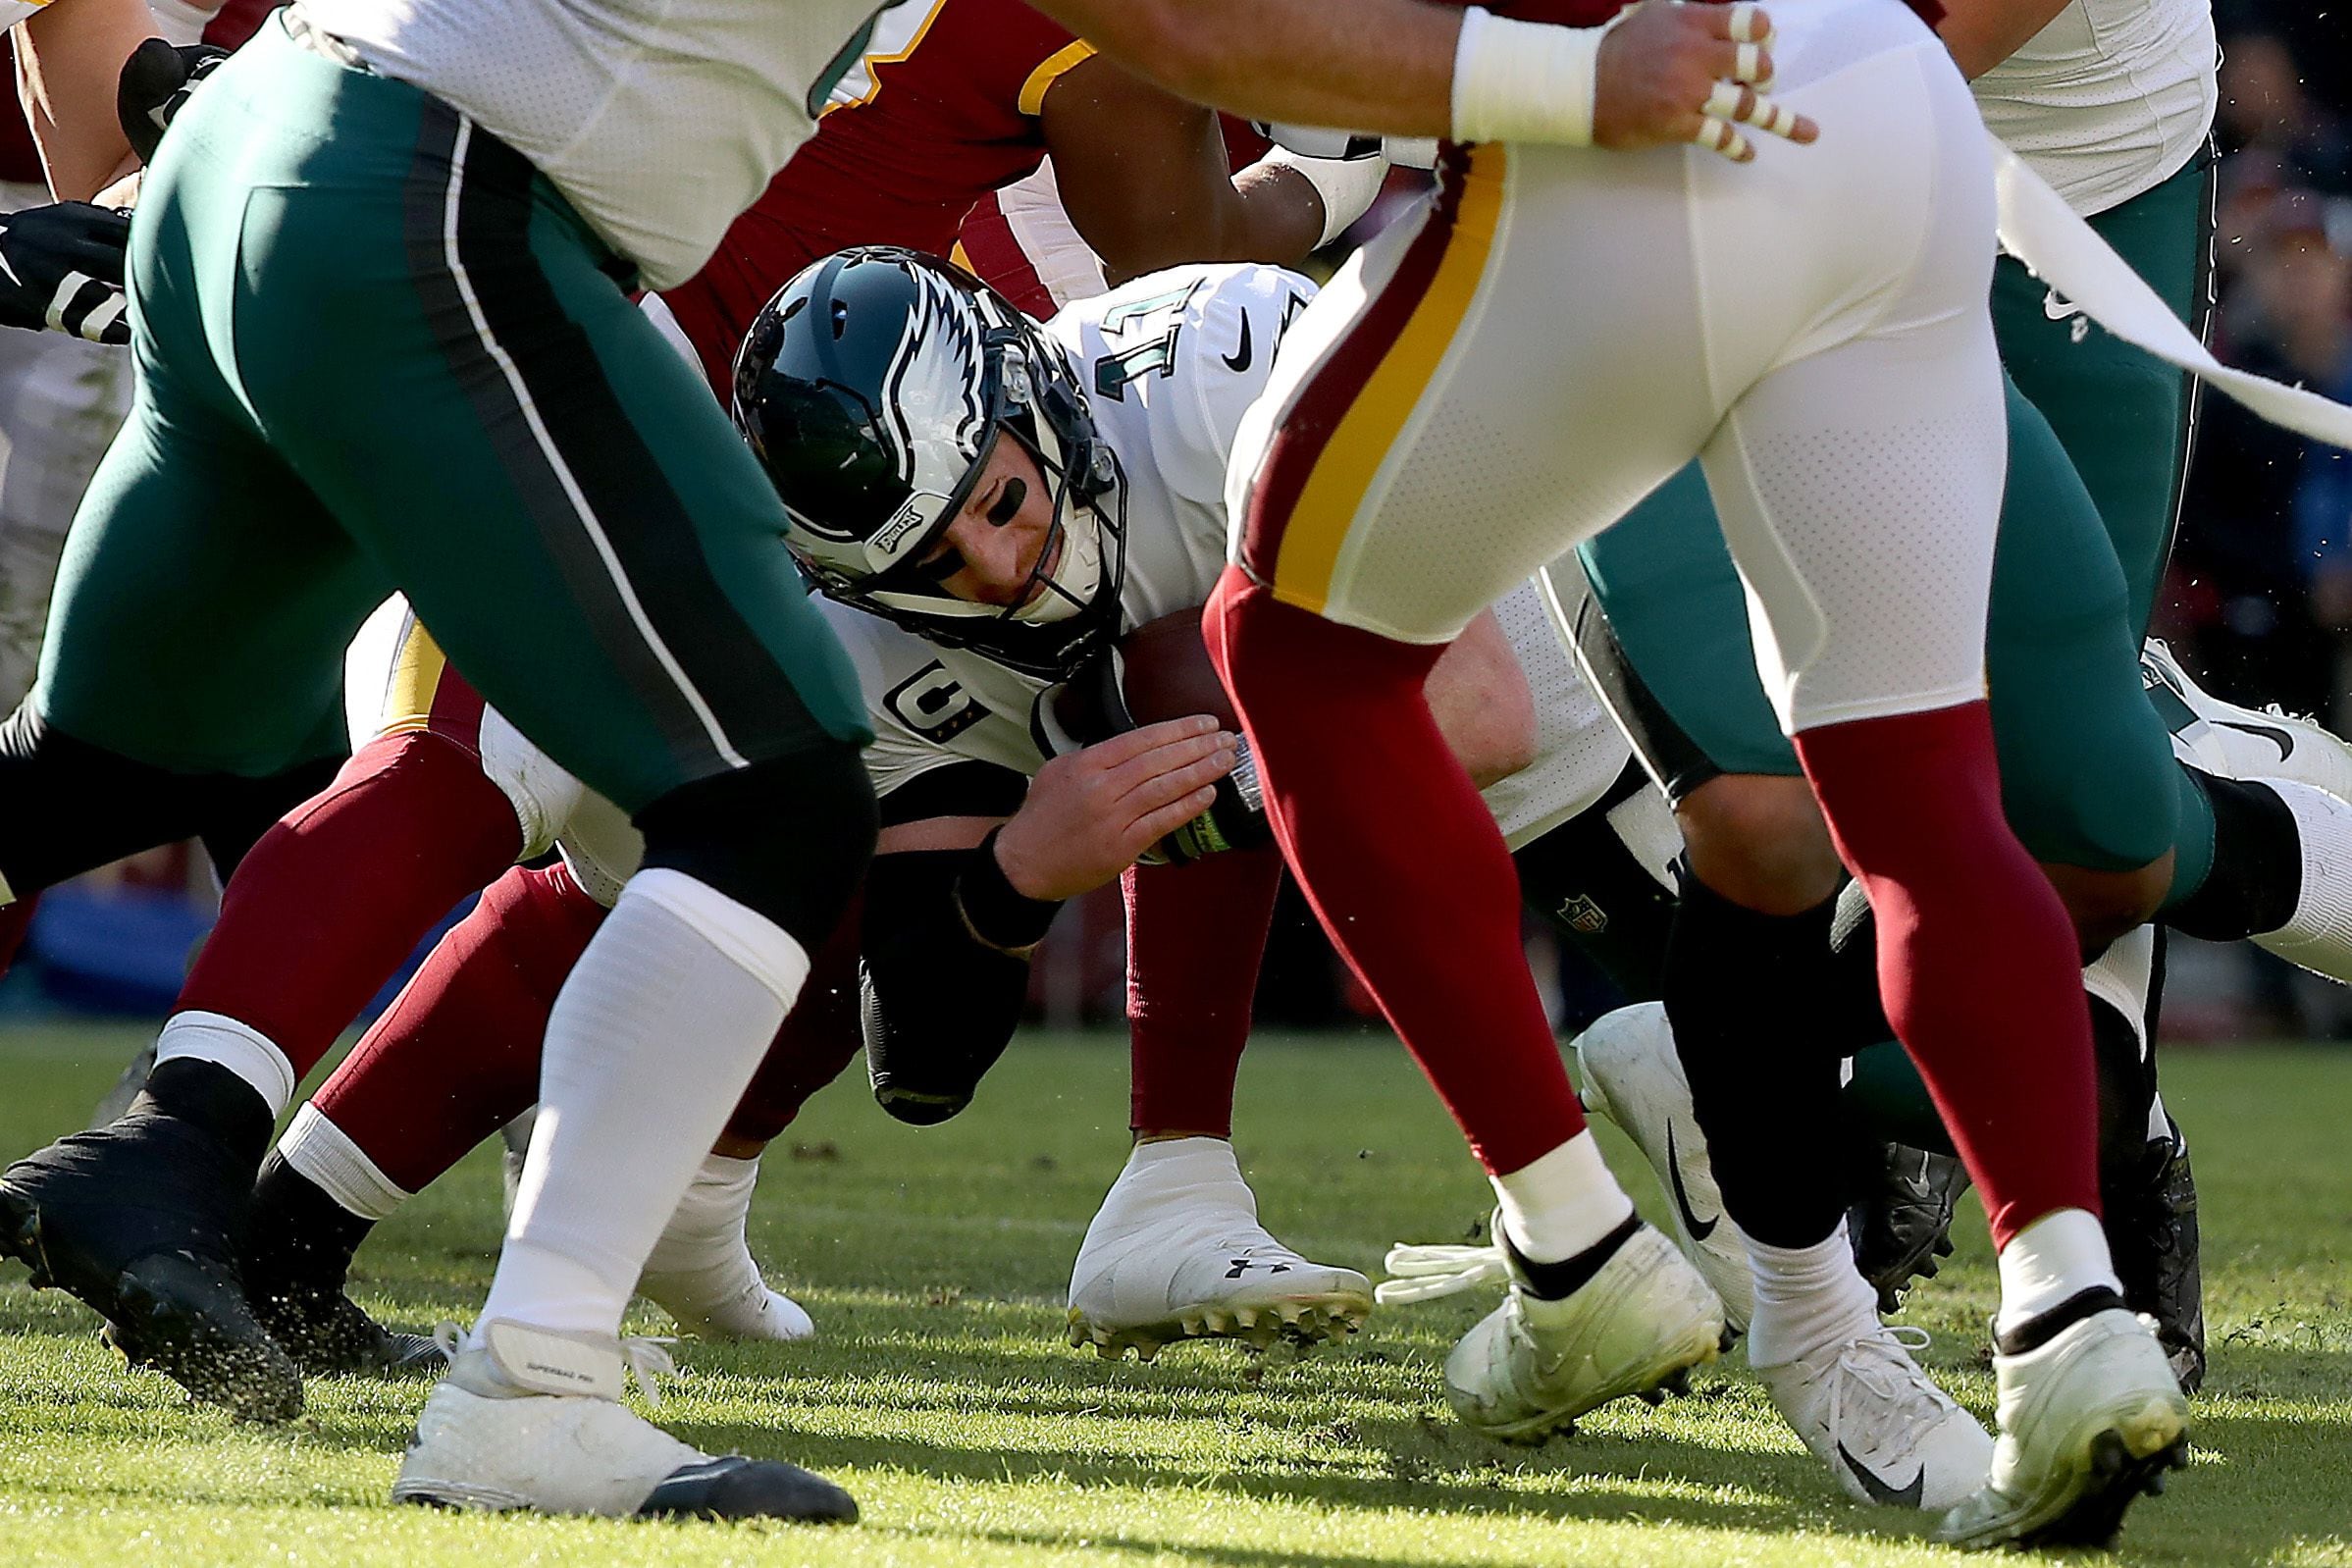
{"points": [[1846, 404], [411, 184], [2119, 125]]}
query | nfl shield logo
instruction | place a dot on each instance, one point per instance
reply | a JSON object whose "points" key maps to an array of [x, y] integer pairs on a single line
{"points": [[1584, 915]]}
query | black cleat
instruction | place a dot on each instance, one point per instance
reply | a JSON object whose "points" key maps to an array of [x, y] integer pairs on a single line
{"points": [[136, 1220], [1902, 1228], [2152, 1232], [296, 1260], [732, 1486], [329, 1333]]}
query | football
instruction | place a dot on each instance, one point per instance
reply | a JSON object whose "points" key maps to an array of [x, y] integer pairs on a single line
{"points": [[1166, 673]]}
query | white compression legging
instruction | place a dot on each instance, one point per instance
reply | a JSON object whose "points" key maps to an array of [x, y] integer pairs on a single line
{"points": [[1564, 329]]}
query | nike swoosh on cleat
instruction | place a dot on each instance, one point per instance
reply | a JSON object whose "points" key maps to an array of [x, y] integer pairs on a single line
{"points": [[1700, 1229], [2279, 738], [1238, 360], [2058, 307], [1894, 1497]]}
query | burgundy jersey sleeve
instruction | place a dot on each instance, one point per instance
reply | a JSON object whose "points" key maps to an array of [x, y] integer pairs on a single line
{"points": [[20, 159], [238, 21], [941, 110]]}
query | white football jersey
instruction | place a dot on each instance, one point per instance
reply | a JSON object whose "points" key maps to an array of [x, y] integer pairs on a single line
{"points": [[659, 119], [1170, 362], [2110, 99]]}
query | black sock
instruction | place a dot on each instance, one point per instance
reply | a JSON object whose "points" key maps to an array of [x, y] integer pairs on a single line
{"points": [[298, 1233], [2256, 872], [1742, 991], [1555, 1282], [211, 1097]]}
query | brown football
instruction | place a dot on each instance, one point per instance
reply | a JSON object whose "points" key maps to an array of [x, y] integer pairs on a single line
{"points": [[1167, 673]]}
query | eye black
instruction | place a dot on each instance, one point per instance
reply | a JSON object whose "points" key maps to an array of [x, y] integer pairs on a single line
{"points": [[1008, 503], [942, 566]]}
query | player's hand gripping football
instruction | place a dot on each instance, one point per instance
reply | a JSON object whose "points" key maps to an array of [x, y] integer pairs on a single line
{"points": [[1089, 814], [1670, 74]]}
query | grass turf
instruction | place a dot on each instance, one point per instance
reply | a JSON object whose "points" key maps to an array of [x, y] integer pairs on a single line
{"points": [[941, 1394]]}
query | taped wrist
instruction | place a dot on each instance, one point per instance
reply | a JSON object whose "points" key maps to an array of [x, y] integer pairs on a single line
{"points": [[1346, 186], [938, 1005], [1525, 81]]}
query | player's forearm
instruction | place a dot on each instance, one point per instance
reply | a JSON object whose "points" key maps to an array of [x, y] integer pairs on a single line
{"points": [[69, 55], [1981, 33], [1367, 65]]}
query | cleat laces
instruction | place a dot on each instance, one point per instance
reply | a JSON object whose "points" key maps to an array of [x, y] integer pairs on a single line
{"points": [[1883, 1365]]}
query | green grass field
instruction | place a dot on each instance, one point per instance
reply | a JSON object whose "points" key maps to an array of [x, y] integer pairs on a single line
{"points": [[942, 1394]]}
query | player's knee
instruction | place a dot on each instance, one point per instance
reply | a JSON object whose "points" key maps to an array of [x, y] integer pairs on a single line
{"points": [[1759, 841], [2104, 905], [789, 837]]}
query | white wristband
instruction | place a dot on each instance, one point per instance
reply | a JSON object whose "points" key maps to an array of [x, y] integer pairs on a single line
{"points": [[1524, 80], [1347, 185]]}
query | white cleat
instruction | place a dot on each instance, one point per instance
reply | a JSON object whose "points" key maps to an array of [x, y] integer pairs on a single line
{"points": [[2088, 1422], [1533, 1365], [1871, 1413], [1632, 1075], [1175, 1253], [702, 1272], [529, 1418], [2243, 743]]}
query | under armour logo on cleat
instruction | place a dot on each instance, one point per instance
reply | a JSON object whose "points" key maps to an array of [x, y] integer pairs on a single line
{"points": [[1242, 1266], [1700, 1229]]}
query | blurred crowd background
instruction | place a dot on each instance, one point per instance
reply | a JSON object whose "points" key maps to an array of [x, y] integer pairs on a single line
{"points": [[2258, 605]]}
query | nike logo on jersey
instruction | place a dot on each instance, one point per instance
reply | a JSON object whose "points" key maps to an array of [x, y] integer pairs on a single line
{"points": [[1238, 360], [1897, 1496], [2058, 307], [1700, 1229], [2279, 738]]}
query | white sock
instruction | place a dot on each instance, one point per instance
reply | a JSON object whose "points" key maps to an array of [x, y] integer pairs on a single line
{"points": [[2319, 934], [707, 1227], [2121, 975], [325, 1153], [1805, 1299], [652, 1041], [2161, 1129], [227, 1043], [1562, 1202], [2052, 1261]]}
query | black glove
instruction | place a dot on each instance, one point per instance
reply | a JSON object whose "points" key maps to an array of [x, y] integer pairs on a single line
{"points": [[61, 269], [156, 81]]}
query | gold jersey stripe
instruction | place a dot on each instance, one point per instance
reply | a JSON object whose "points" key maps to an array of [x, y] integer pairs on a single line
{"points": [[1328, 503], [1060, 65], [415, 682]]}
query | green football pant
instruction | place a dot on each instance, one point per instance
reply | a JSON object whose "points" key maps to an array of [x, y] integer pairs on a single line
{"points": [[377, 350]]}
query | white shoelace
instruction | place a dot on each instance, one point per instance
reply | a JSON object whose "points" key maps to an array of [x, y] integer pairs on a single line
{"points": [[1425, 1273], [1882, 1364]]}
